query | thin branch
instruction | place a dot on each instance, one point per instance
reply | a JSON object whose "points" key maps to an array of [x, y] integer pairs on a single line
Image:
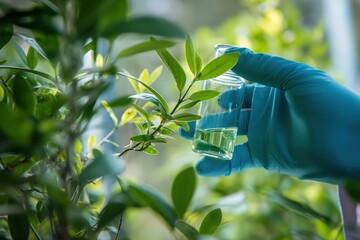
{"points": [[34, 231], [119, 227]]}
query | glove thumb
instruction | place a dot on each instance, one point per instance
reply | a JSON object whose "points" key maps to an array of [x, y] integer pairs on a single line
{"points": [[213, 167]]}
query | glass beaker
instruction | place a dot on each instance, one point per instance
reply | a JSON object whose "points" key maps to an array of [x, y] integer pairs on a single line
{"points": [[216, 131]]}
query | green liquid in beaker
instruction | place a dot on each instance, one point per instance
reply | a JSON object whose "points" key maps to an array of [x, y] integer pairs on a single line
{"points": [[215, 142]]}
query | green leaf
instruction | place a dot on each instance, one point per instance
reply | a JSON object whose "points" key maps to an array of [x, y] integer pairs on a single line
{"points": [[299, 208], [142, 138], [144, 47], [146, 25], [198, 63], [6, 33], [128, 115], [182, 190], [151, 150], [120, 102], [37, 18], [91, 45], [23, 94], [353, 188], [102, 165], [155, 74], [186, 117], [33, 44], [31, 58], [183, 124], [49, 46], [17, 127], [190, 232], [153, 91], [142, 112], [190, 55], [204, 95], [189, 105], [19, 226], [149, 98], [41, 74], [95, 19], [218, 66], [113, 209], [146, 197], [2, 93], [174, 67], [20, 52], [211, 222], [111, 112]]}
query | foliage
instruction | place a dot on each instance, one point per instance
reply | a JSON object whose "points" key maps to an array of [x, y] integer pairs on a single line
{"points": [[49, 97], [56, 183]]}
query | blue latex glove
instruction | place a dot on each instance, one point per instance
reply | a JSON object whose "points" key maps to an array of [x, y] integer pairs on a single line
{"points": [[299, 122]]}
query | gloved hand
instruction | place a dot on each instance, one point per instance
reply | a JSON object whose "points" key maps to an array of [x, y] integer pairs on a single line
{"points": [[299, 122]]}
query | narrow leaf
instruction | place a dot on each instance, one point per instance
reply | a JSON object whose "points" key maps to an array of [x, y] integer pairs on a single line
{"points": [[144, 77], [174, 67], [155, 74], [153, 91], [20, 52], [142, 112], [142, 138], [31, 58], [6, 33], [146, 25], [183, 124], [147, 197], [190, 55], [149, 98], [211, 222], [186, 117], [41, 74], [145, 47], [2, 93], [218, 66], [23, 94], [204, 95], [182, 190], [189, 105], [110, 112], [189, 231], [102, 165], [120, 102], [113, 209], [198, 63], [91, 141], [32, 42], [299, 208], [19, 226], [151, 150], [128, 115]]}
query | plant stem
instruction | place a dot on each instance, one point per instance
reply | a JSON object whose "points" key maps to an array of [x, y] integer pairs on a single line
{"points": [[119, 227], [34, 231], [163, 120], [181, 99]]}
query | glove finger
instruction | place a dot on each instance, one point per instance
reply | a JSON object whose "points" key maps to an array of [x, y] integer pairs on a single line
{"points": [[272, 70], [188, 134], [213, 167], [237, 97]]}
